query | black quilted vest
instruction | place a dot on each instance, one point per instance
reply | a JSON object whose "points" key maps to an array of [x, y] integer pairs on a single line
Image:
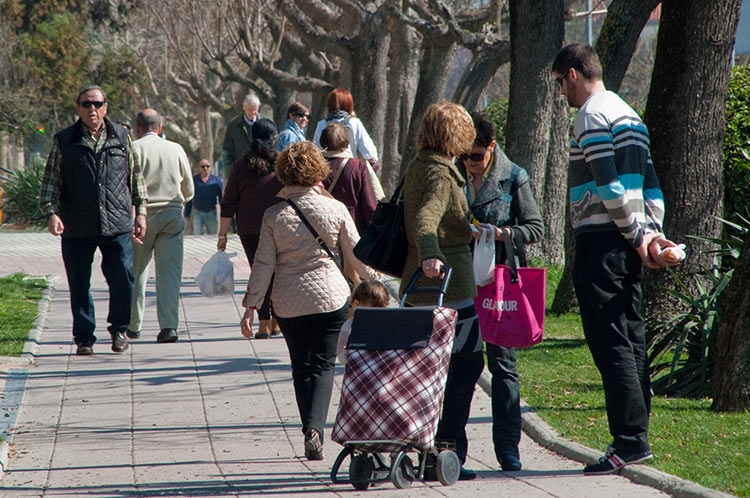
{"points": [[95, 197]]}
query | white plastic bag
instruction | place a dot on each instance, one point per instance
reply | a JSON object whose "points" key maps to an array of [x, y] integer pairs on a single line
{"points": [[216, 277], [484, 258]]}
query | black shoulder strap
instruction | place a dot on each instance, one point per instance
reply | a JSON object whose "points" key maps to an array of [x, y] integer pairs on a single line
{"points": [[320, 241]]}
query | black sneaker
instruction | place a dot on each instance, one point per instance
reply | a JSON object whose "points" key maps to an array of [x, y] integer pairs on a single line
{"points": [[613, 462], [510, 463], [119, 342], [133, 334], [466, 474], [85, 350], [313, 445], [166, 336]]}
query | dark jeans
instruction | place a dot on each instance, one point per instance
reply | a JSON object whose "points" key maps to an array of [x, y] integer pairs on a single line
{"points": [[311, 340], [506, 401], [117, 267], [250, 245], [607, 277], [463, 373]]}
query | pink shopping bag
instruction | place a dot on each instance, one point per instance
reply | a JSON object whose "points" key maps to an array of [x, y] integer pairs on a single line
{"points": [[511, 309]]}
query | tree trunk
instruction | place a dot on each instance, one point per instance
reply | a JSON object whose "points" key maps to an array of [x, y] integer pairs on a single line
{"points": [[433, 79], [537, 37], [370, 84], [480, 72], [685, 115], [731, 381], [402, 76], [619, 36], [206, 134]]}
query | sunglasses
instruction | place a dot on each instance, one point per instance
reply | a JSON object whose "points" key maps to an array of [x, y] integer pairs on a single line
{"points": [[474, 156], [96, 103], [560, 78], [206, 166], [301, 115]]}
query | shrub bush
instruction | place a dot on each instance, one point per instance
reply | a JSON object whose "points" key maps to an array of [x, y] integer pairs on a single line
{"points": [[497, 112], [681, 349], [21, 195]]}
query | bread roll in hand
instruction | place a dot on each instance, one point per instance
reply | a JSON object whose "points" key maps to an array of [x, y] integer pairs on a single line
{"points": [[673, 254]]}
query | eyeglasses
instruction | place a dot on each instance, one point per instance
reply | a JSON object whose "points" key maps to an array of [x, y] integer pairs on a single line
{"points": [[560, 78], [474, 156], [96, 103], [206, 166], [302, 115]]}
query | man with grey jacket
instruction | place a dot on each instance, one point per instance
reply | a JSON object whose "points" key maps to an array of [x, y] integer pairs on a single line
{"points": [[169, 182]]}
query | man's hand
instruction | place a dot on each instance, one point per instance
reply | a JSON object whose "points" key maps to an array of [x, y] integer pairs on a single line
{"points": [[651, 248], [55, 225], [139, 228]]}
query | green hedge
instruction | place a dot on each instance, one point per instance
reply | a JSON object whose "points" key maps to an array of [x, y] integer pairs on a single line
{"points": [[737, 145]]}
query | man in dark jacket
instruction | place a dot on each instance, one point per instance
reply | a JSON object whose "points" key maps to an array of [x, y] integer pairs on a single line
{"points": [[238, 137], [91, 186]]}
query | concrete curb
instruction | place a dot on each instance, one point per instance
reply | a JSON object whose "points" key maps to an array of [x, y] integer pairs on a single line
{"points": [[29, 353], [544, 435]]}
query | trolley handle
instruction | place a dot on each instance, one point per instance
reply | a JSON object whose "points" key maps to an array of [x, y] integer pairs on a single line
{"points": [[411, 287]]}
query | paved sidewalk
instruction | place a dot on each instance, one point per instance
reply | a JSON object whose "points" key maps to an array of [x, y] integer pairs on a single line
{"points": [[214, 414]]}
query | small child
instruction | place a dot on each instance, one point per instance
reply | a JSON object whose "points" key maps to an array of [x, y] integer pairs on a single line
{"points": [[368, 294]]}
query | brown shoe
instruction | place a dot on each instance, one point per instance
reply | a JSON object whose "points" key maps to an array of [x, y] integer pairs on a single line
{"points": [[119, 342], [275, 330], [264, 329]]}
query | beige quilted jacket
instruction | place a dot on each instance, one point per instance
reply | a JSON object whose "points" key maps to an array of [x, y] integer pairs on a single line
{"points": [[306, 281]]}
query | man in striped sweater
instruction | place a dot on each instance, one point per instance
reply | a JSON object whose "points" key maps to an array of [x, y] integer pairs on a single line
{"points": [[616, 208]]}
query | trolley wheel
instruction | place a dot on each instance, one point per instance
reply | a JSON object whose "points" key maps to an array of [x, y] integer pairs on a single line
{"points": [[404, 474], [447, 468], [361, 468]]}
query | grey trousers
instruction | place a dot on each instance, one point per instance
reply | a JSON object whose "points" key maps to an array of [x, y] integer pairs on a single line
{"points": [[164, 243]]}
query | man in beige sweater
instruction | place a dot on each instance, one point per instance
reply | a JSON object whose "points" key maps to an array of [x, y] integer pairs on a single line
{"points": [[169, 182]]}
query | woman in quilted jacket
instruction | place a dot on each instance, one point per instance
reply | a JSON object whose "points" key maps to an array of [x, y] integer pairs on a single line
{"points": [[309, 289]]}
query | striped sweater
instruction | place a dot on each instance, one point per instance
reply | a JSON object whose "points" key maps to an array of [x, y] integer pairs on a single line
{"points": [[613, 185]]}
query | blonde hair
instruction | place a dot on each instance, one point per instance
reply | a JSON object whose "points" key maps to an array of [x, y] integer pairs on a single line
{"points": [[301, 164], [446, 127]]}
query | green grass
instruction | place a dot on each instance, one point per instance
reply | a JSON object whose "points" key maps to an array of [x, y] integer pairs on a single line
{"points": [[20, 297], [559, 380]]}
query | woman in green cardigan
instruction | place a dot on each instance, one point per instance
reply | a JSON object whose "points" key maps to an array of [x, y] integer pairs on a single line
{"points": [[436, 216]]}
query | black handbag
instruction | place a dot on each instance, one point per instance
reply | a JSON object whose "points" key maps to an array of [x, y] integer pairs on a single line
{"points": [[383, 243]]}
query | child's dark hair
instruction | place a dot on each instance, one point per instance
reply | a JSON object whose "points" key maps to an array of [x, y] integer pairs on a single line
{"points": [[373, 293]]}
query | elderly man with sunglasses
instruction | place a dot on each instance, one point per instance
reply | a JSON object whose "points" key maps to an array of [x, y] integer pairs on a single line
{"points": [[92, 185]]}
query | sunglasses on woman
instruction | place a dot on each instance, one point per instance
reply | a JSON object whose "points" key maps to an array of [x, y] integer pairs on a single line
{"points": [[474, 156]]}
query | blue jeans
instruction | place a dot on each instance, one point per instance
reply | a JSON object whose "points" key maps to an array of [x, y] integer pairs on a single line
{"points": [[607, 275], [311, 340], [117, 267], [506, 401], [206, 219]]}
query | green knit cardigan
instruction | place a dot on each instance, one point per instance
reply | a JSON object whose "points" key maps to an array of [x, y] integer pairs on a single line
{"points": [[437, 225]]}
